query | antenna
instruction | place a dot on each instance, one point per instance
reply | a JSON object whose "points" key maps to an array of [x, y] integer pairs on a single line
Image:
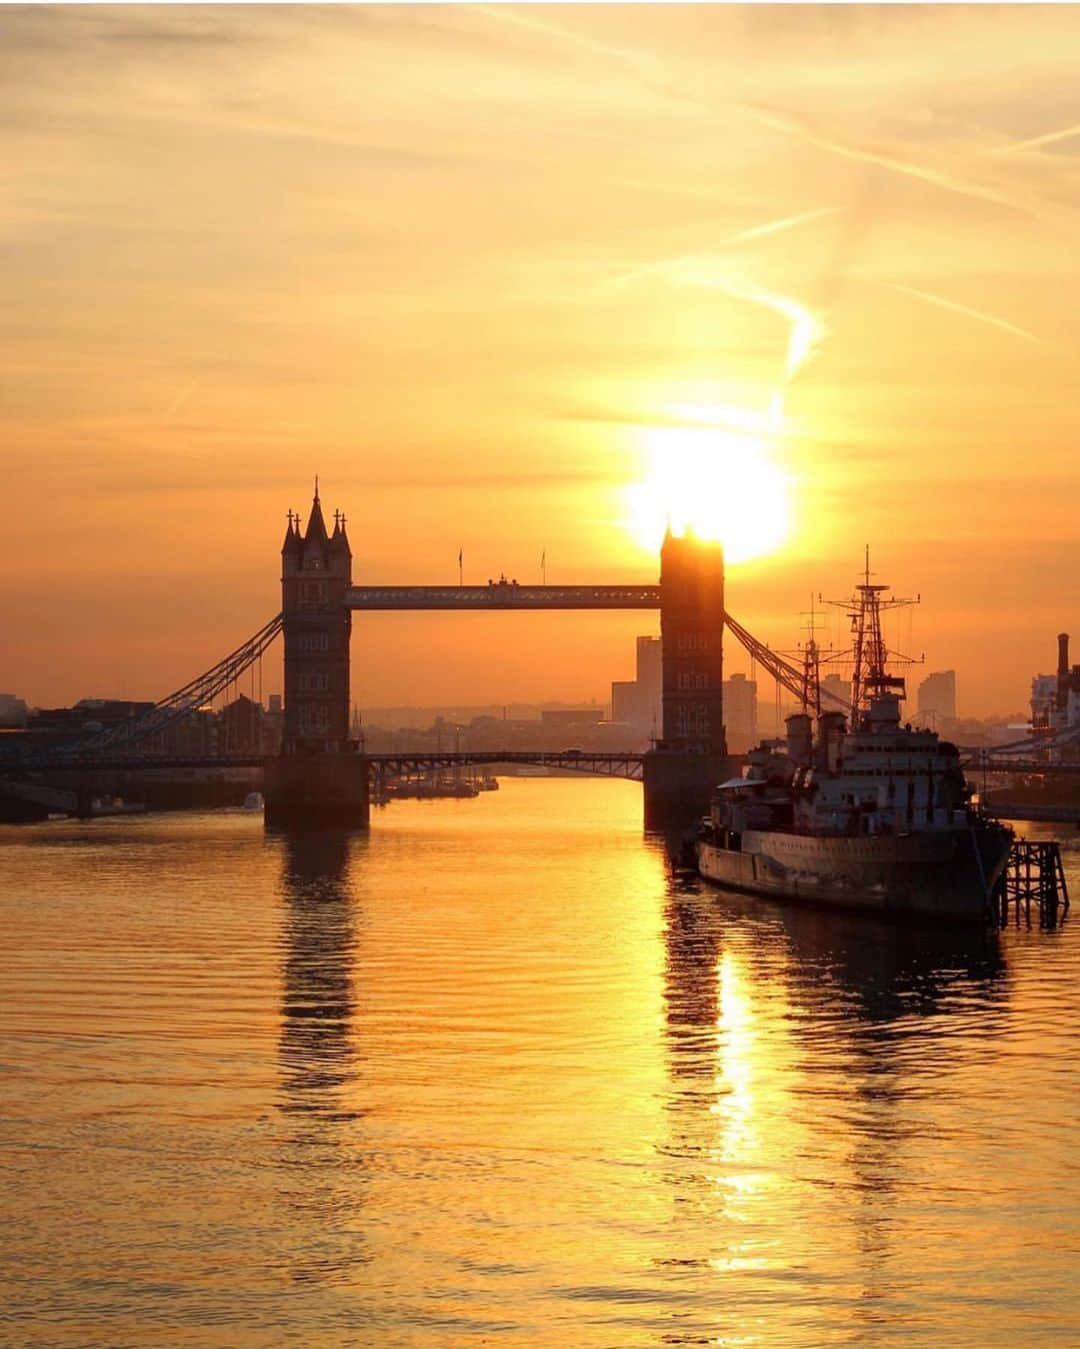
{"points": [[869, 654]]}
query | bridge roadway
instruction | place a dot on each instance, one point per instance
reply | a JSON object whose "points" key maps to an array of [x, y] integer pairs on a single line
{"points": [[622, 764], [501, 595], [1003, 765]]}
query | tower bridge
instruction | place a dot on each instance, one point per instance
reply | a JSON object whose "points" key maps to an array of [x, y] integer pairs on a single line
{"points": [[319, 776]]}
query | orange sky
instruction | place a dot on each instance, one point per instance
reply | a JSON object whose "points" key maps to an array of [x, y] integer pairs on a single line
{"points": [[479, 267]]}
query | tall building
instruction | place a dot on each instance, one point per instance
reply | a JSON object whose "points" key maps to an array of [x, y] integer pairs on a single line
{"points": [[937, 697], [740, 713], [637, 702], [1043, 700], [835, 692], [650, 679]]}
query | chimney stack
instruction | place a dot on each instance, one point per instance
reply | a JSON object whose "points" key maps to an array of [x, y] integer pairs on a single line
{"points": [[1063, 671]]}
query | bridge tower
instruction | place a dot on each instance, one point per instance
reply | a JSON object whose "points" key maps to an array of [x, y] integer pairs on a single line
{"points": [[691, 644], [691, 758], [316, 571], [318, 778]]}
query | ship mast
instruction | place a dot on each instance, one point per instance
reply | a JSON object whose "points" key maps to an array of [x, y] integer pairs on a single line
{"points": [[811, 691], [870, 677]]}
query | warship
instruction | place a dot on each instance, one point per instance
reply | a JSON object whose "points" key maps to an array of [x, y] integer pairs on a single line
{"points": [[853, 809]]}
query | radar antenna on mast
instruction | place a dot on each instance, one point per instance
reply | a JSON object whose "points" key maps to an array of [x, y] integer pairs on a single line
{"points": [[870, 677], [809, 654]]}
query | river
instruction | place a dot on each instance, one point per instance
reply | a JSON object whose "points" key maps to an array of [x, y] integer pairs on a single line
{"points": [[489, 1075]]}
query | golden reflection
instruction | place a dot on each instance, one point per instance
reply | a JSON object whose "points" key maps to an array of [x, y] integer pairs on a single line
{"points": [[316, 1053], [324, 1178], [735, 1050], [797, 1091]]}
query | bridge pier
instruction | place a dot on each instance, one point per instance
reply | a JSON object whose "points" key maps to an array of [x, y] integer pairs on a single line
{"points": [[678, 786], [84, 799], [317, 790]]}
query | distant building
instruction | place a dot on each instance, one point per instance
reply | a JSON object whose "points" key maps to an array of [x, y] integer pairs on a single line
{"points": [[636, 703], [740, 713], [835, 691], [89, 717], [273, 725], [240, 729], [1043, 700], [650, 677], [937, 697], [571, 716], [13, 711], [1055, 699]]}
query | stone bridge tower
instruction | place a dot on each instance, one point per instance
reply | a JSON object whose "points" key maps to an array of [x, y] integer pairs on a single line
{"points": [[691, 758], [692, 646], [318, 779], [316, 570]]}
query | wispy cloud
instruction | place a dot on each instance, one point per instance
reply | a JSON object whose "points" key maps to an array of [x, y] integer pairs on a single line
{"points": [[513, 16], [979, 315], [925, 173], [1036, 142], [896, 161]]}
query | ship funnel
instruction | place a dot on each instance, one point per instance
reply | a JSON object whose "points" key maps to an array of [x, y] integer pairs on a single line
{"points": [[799, 738], [831, 729]]}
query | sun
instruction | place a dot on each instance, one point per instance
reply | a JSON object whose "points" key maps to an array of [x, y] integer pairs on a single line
{"points": [[718, 483]]}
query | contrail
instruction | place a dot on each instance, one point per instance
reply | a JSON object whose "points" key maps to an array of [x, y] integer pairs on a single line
{"points": [[673, 268], [935, 177], [806, 328], [503, 14], [954, 307], [785, 223], [1049, 138], [778, 121]]}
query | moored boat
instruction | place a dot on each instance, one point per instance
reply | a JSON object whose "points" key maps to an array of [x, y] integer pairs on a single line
{"points": [[858, 811]]}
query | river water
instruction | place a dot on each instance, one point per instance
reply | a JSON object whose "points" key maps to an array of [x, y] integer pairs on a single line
{"points": [[490, 1076]]}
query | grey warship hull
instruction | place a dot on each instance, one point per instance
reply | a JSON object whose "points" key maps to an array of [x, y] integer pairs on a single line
{"points": [[947, 873]]}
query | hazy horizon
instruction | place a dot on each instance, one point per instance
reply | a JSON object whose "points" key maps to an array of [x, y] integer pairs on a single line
{"points": [[521, 281]]}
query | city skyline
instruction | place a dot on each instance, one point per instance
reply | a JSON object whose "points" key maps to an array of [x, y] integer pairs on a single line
{"points": [[517, 283]]}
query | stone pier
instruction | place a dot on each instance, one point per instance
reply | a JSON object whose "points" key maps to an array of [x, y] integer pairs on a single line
{"points": [[316, 790]]}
